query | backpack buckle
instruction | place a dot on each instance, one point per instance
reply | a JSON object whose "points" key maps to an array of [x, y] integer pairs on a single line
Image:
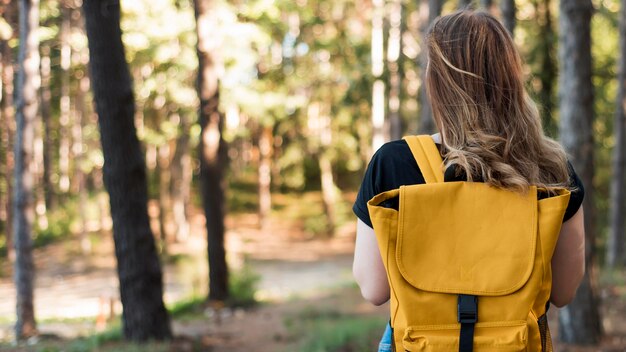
{"points": [[467, 309]]}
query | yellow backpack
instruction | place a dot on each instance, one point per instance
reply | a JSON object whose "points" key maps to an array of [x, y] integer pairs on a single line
{"points": [[468, 264]]}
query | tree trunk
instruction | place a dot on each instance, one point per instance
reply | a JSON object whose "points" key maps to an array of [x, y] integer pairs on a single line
{"points": [[427, 124], [141, 289], [164, 168], [27, 88], [548, 75], [378, 90], [8, 129], [394, 64], [615, 248], [329, 194], [265, 174], [212, 148], [507, 9], [181, 179], [46, 97], [78, 151], [579, 321], [39, 158], [64, 104]]}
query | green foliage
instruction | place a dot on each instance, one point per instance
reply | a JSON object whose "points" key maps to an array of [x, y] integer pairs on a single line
{"points": [[187, 307], [330, 330], [243, 286], [59, 227]]}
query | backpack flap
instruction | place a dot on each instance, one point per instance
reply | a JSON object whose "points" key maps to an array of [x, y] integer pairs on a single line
{"points": [[466, 238]]}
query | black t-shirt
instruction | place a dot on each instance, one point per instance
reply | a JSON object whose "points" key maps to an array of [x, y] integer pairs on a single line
{"points": [[393, 165]]}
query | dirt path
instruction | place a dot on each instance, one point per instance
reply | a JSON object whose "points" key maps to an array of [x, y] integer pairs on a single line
{"points": [[70, 285]]}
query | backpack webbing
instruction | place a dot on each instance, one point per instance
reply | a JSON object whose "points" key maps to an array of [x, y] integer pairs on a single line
{"points": [[427, 156]]}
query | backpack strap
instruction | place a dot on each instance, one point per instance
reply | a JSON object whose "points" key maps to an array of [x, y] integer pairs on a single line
{"points": [[427, 156]]}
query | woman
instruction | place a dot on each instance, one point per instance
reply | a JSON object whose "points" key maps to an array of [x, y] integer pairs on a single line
{"points": [[489, 131]]}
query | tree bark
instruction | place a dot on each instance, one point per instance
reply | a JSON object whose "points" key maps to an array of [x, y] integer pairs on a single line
{"points": [[427, 124], [548, 75], [507, 9], [8, 127], [141, 289], [212, 148], [27, 105], [579, 321], [615, 247]]}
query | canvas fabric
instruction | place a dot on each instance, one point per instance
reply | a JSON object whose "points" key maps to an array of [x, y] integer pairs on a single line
{"points": [[466, 238]]}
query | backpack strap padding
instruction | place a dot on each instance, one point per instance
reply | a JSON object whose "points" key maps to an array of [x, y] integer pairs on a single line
{"points": [[427, 156]]}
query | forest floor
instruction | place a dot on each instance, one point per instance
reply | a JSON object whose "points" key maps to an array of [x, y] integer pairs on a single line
{"points": [[308, 300]]}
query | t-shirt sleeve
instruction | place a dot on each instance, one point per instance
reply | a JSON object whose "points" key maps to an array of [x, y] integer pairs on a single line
{"points": [[368, 189], [391, 166], [577, 195]]}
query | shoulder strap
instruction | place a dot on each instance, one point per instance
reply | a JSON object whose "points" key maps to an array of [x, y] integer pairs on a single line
{"points": [[427, 156]]}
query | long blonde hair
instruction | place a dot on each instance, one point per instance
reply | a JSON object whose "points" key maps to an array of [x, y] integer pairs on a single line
{"points": [[490, 127]]}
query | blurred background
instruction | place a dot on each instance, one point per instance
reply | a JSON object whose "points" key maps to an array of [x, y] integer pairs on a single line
{"points": [[218, 148]]}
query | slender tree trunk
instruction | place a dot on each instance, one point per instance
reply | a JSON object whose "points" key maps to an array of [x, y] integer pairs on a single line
{"points": [[78, 151], [65, 103], [265, 174], [8, 127], [46, 97], [165, 198], [507, 9], [548, 75], [212, 148], [579, 321], [141, 289], [394, 64], [329, 193], [378, 90], [427, 124], [27, 106], [181, 179], [39, 158], [615, 248]]}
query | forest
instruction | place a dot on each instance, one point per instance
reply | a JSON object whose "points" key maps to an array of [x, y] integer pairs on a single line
{"points": [[178, 175]]}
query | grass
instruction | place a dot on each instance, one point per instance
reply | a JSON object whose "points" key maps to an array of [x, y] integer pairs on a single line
{"points": [[329, 330]]}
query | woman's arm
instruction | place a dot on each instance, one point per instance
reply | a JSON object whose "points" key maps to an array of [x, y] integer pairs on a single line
{"points": [[368, 268], [568, 261]]}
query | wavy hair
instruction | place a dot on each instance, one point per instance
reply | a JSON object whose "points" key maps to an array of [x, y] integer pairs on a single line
{"points": [[490, 127]]}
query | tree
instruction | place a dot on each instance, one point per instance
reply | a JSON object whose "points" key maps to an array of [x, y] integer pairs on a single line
{"points": [[547, 75], [212, 150], [141, 289], [615, 246], [427, 124], [27, 93], [7, 113], [395, 65], [507, 8], [579, 321], [378, 65]]}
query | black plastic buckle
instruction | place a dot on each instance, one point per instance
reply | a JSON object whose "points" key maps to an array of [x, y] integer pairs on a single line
{"points": [[468, 309]]}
